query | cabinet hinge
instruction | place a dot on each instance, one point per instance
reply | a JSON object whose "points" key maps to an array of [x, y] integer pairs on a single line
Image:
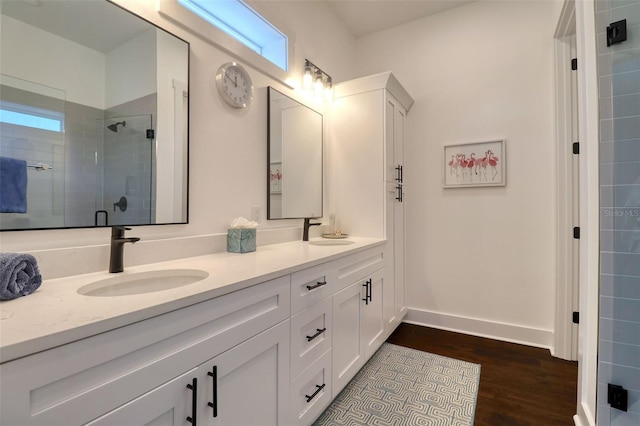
{"points": [[574, 64], [576, 147], [576, 317], [576, 232], [151, 134], [617, 397]]}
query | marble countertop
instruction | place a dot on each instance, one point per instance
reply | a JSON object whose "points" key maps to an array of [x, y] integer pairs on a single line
{"points": [[56, 314]]}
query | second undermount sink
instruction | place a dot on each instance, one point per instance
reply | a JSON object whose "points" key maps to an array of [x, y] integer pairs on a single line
{"points": [[330, 242], [142, 282]]}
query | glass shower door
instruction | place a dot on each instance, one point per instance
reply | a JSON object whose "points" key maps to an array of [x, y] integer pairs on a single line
{"points": [[128, 176], [618, 390]]}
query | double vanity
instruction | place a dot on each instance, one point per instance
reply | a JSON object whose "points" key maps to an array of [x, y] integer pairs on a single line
{"points": [[269, 337]]}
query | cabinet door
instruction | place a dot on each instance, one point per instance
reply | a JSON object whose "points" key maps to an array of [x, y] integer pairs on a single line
{"points": [[394, 139], [249, 384], [167, 405], [348, 343], [373, 327]]}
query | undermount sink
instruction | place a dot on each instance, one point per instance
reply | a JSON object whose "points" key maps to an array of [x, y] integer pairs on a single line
{"points": [[142, 282], [330, 242]]}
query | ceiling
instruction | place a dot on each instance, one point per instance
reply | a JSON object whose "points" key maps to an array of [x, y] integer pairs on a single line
{"points": [[364, 17]]}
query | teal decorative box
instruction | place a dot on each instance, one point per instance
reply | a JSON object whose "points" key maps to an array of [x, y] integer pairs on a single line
{"points": [[241, 240]]}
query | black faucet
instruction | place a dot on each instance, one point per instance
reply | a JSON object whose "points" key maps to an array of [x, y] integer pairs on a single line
{"points": [[116, 262], [305, 229]]}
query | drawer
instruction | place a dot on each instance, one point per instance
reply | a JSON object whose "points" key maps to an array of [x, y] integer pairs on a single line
{"points": [[312, 285], [311, 391], [311, 335], [358, 266], [77, 382]]}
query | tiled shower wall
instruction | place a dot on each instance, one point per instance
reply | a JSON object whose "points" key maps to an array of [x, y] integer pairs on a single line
{"points": [[619, 325]]}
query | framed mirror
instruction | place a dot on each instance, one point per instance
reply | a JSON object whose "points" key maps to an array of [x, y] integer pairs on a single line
{"points": [[93, 117], [295, 138]]}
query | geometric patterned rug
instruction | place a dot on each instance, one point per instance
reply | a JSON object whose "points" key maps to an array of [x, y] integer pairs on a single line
{"points": [[403, 386]]}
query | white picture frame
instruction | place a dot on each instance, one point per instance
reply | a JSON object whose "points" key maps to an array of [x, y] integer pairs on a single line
{"points": [[476, 164]]}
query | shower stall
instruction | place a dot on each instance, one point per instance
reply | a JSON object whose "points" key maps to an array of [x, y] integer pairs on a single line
{"points": [[127, 165]]}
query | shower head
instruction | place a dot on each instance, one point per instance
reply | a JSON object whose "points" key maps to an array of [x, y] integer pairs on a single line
{"points": [[114, 127]]}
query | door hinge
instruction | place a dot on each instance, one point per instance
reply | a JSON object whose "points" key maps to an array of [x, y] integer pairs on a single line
{"points": [[617, 397], [151, 134], [617, 32], [576, 317], [576, 147], [576, 232], [574, 64]]}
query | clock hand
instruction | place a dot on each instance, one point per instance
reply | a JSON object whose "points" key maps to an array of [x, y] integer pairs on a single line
{"points": [[236, 82]]}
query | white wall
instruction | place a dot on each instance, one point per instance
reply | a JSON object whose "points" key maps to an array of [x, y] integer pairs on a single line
{"points": [[86, 88], [228, 148], [479, 260], [131, 70]]}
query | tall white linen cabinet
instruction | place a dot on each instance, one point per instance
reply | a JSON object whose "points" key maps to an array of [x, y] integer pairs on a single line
{"points": [[365, 178]]}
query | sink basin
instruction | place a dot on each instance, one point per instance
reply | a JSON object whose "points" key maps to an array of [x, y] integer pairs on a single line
{"points": [[330, 242], [142, 282]]}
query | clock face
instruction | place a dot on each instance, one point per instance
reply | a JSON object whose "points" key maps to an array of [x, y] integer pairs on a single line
{"points": [[234, 84]]}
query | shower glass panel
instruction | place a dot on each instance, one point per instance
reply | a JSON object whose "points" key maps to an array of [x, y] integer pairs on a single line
{"points": [[128, 171], [32, 128], [619, 322]]}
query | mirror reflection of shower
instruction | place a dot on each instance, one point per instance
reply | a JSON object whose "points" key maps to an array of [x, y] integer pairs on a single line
{"points": [[114, 127]]}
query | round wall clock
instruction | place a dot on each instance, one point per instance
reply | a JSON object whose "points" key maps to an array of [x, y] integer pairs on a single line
{"points": [[234, 85]]}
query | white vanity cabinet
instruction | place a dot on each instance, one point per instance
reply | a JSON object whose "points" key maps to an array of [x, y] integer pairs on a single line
{"points": [[152, 361], [368, 189], [311, 341], [275, 353], [358, 324]]}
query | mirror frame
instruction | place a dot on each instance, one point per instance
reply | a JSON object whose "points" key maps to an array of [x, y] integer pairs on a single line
{"points": [[268, 174], [188, 140]]}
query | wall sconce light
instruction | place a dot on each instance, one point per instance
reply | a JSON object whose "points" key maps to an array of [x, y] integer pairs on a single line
{"points": [[316, 80]]}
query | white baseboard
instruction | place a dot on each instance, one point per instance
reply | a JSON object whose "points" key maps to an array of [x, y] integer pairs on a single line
{"points": [[477, 327]]}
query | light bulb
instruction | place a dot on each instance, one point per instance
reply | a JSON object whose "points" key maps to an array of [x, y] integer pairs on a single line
{"points": [[328, 89], [317, 84], [307, 76]]}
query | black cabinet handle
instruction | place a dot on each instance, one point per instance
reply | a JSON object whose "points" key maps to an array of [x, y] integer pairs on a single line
{"points": [[318, 389], [214, 374], [319, 284], [366, 292], [399, 196], [319, 332], [194, 402], [370, 291], [400, 174]]}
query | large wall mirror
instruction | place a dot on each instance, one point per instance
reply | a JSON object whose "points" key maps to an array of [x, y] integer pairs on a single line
{"points": [[94, 105], [294, 159]]}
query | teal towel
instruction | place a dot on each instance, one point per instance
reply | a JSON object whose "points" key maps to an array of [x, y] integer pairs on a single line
{"points": [[13, 185], [19, 275]]}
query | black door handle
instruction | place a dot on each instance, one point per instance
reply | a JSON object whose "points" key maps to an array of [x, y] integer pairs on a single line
{"points": [[319, 331], [194, 402], [214, 404]]}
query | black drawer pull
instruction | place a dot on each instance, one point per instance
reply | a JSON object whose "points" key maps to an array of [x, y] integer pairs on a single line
{"points": [[319, 284], [214, 375], [318, 389], [194, 402], [319, 332], [366, 292]]}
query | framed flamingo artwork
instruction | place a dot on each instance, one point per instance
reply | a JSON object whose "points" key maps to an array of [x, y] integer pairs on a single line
{"points": [[275, 178], [474, 164]]}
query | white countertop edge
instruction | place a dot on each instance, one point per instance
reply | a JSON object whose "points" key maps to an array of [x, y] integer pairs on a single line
{"points": [[23, 332]]}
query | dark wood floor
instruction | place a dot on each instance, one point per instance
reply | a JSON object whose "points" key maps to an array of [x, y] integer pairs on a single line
{"points": [[519, 385]]}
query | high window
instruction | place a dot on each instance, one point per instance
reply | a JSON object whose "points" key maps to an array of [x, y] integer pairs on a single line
{"points": [[23, 115], [241, 22]]}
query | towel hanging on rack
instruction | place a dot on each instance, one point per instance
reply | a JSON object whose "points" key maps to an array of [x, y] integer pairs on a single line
{"points": [[13, 185]]}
